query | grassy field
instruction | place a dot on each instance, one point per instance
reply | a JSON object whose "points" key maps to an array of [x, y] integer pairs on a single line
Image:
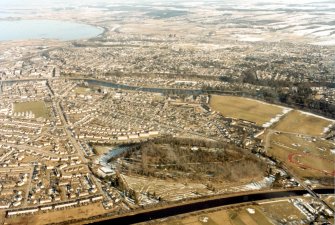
{"points": [[297, 122], [307, 157], [215, 218], [224, 217], [37, 107], [279, 210], [242, 216], [82, 90], [317, 163], [244, 108]]}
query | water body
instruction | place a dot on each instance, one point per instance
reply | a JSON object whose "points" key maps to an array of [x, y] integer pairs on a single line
{"points": [[144, 89], [114, 152], [104, 160], [204, 205], [46, 29], [138, 88]]}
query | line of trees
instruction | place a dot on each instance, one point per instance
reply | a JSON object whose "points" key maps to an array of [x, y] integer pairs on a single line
{"points": [[296, 95]]}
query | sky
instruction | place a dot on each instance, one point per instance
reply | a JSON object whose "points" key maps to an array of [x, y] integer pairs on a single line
{"points": [[55, 2], [40, 4]]}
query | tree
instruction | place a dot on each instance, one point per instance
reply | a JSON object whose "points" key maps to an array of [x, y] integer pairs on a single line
{"points": [[276, 182], [249, 76]]}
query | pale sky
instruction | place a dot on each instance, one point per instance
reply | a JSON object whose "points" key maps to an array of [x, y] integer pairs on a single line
{"points": [[10, 4]]}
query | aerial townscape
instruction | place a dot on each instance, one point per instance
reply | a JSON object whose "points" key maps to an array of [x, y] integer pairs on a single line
{"points": [[167, 112]]}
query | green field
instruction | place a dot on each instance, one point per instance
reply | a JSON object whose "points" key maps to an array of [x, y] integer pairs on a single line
{"points": [[82, 90], [279, 210], [243, 217], [37, 107], [244, 108], [307, 157], [239, 216], [297, 122]]}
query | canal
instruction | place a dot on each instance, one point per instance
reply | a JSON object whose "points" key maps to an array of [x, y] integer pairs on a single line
{"points": [[204, 205]]}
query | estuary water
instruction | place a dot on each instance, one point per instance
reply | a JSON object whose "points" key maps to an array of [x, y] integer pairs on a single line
{"points": [[46, 29]]}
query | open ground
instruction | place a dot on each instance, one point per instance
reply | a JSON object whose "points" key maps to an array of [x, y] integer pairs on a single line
{"points": [[259, 214], [82, 90], [58, 216], [306, 156], [244, 108], [298, 122], [36, 107]]}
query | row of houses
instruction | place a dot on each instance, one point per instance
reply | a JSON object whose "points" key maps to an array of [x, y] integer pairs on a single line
{"points": [[58, 206]]}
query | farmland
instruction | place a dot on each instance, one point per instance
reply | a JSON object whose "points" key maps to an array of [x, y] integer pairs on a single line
{"points": [[245, 109]]}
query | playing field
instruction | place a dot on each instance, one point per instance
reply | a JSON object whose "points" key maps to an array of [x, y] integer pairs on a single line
{"points": [[36, 107], [244, 108], [298, 122], [306, 156], [82, 90]]}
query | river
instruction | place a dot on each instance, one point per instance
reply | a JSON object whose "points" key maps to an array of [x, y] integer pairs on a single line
{"points": [[204, 205]]}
